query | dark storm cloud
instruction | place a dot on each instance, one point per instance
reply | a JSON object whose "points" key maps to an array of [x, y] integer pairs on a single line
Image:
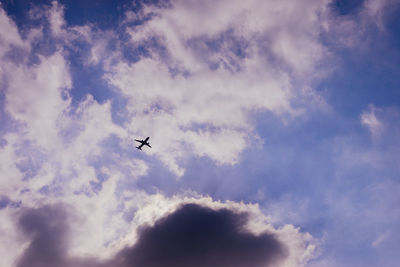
{"points": [[199, 236], [48, 230], [47, 227], [191, 236]]}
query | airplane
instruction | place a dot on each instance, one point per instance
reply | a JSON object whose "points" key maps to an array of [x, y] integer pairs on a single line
{"points": [[142, 143]]}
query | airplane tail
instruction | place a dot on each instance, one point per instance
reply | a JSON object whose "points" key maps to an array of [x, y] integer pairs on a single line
{"points": [[138, 147]]}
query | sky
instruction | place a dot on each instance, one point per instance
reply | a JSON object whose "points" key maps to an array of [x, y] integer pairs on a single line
{"points": [[274, 128]]}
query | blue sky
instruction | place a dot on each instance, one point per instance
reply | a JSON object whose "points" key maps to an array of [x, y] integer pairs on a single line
{"points": [[285, 111]]}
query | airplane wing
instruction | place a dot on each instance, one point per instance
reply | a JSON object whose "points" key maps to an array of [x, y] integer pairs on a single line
{"points": [[140, 146], [143, 143]]}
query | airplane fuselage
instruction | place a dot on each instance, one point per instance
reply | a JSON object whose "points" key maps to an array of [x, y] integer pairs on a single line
{"points": [[143, 143]]}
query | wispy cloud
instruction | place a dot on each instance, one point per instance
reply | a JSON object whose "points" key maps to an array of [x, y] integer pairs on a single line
{"points": [[369, 119], [214, 70]]}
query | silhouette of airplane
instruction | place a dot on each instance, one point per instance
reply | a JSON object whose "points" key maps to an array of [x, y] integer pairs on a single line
{"points": [[143, 143]]}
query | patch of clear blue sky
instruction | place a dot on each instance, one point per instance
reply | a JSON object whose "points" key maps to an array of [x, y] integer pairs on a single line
{"points": [[344, 7], [371, 74], [367, 77]]}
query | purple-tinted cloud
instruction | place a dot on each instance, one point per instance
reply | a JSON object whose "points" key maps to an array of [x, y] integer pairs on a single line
{"points": [[199, 236], [48, 228], [191, 236]]}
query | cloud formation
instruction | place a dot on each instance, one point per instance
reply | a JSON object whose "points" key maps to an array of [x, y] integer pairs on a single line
{"points": [[199, 236], [199, 74], [191, 235], [69, 149], [216, 63], [47, 227]]}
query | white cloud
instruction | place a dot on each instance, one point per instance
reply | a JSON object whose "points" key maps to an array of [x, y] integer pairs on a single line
{"points": [[184, 112], [357, 29], [54, 144], [379, 239], [8, 33], [56, 18], [34, 97], [197, 95], [376, 9], [288, 29], [11, 176], [369, 119]]}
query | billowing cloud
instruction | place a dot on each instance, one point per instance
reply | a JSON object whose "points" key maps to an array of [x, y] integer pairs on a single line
{"points": [[47, 227], [191, 235], [199, 236]]}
